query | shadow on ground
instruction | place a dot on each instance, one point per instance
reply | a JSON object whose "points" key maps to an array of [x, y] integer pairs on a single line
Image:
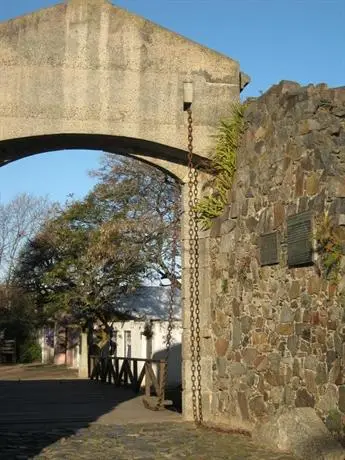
{"points": [[36, 412], [174, 377]]}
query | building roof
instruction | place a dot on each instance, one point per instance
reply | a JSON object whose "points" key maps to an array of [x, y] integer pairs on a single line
{"points": [[152, 302]]}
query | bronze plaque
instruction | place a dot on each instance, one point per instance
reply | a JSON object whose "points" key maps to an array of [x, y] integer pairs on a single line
{"points": [[299, 236], [269, 253]]}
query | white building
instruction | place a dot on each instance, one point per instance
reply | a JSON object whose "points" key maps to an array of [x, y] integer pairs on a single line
{"points": [[149, 305], [131, 342]]}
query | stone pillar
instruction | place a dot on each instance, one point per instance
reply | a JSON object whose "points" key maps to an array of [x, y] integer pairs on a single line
{"points": [[83, 361], [205, 316]]}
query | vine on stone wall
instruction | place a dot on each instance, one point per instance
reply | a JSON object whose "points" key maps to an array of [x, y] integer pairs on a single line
{"points": [[329, 248], [223, 164]]}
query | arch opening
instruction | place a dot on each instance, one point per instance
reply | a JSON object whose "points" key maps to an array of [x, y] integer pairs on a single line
{"points": [[14, 149]]}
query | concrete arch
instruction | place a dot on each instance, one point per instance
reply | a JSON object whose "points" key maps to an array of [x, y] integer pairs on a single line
{"points": [[87, 74], [88, 67], [168, 159]]}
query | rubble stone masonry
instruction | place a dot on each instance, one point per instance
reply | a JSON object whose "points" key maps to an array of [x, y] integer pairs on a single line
{"points": [[277, 331]]}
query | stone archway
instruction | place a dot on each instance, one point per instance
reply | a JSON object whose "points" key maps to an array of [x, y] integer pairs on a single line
{"points": [[86, 74]]}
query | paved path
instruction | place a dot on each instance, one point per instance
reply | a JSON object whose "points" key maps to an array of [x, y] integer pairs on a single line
{"points": [[47, 413]]}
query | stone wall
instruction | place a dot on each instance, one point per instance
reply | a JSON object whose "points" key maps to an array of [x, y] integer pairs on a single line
{"points": [[278, 332]]}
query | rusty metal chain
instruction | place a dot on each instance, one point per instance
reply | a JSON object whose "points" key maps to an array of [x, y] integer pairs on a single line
{"points": [[194, 282], [194, 286], [172, 296]]}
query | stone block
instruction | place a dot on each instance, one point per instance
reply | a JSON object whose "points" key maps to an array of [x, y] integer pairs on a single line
{"points": [[299, 183], [336, 186], [249, 356], [292, 344], [294, 290], [261, 363], [246, 323], [236, 308], [227, 227], [304, 398], [328, 401], [321, 373], [309, 378], [243, 405], [306, 126], [216, 228], [274, 360], [312, 184], [310, 362], [335, 374], [276, 395], [285, 328], [257, 405], [287, 315], [237, 369], [278, 215], [314, 285], [288, 396], [234, 211], [221, 347], [236, 333], [301, 432], [274, 378], [303, 330], [259, 338], [221, 366], [252, 224], [342, 398]]}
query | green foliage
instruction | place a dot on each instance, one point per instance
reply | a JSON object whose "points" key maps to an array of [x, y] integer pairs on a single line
{"points": [[30, 352], [335, 422], [18, 320], [329, 247], [148, 330], [225, 285], [224, 159], [97, 249]]}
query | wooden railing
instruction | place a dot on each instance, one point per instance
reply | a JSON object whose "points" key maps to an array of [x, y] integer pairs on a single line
{"points": [[130, 372]]}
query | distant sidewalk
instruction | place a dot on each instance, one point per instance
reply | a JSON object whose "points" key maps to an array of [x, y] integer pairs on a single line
{"points": [[36, 372]]}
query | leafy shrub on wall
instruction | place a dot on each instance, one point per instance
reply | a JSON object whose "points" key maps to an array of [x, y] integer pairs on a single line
{"points": [[329, 247], [223, 166]]}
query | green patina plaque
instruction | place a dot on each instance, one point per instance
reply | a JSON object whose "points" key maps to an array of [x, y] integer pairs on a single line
{"points": [[299, 238], [269, 252]]}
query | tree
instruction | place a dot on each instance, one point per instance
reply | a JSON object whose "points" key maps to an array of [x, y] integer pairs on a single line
{"points": [[81, 269], [97, 249], [20, 220], [148, 197]]}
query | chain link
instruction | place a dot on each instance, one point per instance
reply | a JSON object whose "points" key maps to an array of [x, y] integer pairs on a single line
{"points": [[194, 282], [194, 286], [172, 295]]}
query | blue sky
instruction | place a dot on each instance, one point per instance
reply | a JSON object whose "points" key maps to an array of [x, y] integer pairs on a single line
{"points": [[301, 40]]}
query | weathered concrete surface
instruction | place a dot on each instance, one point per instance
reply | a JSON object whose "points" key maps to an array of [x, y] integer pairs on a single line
{"points": [[86, 74], [301, 432]]}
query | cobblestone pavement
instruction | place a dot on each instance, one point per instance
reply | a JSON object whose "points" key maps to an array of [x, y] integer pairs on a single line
{"points": [[132, 441], [47, 413]]}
